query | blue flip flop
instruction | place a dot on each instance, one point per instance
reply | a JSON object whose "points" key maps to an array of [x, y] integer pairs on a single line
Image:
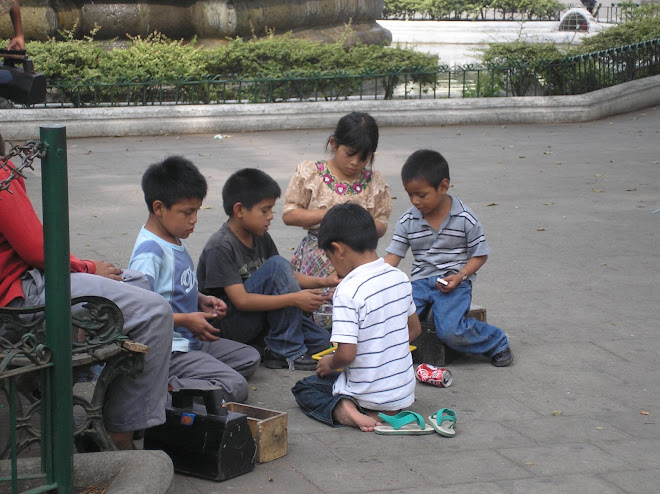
{"points": [[443, 421], [403, 423]]}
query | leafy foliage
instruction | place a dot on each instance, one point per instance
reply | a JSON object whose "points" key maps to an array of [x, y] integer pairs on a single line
{"points": [[532, 68], [69, 59], [474, 9], [517, 64], [643, 24], [293, 68], [154, 57]]}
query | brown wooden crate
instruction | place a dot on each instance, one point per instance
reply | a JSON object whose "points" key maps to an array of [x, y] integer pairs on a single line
{"points": [[269, 430]]}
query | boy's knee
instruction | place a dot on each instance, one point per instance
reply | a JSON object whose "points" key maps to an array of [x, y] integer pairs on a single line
{"points": [[280, 264], [252, 362], [238, 391], [282, 271]]}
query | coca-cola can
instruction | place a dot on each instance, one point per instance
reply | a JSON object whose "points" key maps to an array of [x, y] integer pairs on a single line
{"points": [[430, 374]]}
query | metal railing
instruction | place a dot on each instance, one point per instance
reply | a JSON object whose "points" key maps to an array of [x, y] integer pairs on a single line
{"points": [[568, 76]]}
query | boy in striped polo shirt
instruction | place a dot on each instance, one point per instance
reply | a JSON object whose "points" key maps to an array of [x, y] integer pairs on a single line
{"points": [[373, 321], [449, 246]]}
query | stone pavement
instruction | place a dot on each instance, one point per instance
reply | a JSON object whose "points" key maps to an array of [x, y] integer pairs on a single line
{"points": [[573, 278]]}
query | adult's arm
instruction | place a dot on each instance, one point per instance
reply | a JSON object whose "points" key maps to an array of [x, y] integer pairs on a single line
{"points": [[18, 41], [21, 227]]}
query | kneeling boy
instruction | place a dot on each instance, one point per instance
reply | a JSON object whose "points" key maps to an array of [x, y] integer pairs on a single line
{"points": [[373, 322]]}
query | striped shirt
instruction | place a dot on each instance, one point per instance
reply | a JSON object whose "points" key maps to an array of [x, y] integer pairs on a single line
{"points": [[437, 253], [370, 309]]}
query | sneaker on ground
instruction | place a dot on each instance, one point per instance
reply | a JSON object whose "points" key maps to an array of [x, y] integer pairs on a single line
{"points": [[502, 359], [275, 361]]}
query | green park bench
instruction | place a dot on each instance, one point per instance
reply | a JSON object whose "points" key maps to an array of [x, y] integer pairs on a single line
{"points": [[97, 339]]}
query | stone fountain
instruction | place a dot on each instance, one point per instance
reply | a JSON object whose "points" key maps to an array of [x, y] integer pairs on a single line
{"points": [[209, 20]]}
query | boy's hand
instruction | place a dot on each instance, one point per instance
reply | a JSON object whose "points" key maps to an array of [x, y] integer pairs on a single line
{"points": [[108, 270], [309, 300], [325, 366], [198, 325], [453, 280], [333, 279], [212, 305]]}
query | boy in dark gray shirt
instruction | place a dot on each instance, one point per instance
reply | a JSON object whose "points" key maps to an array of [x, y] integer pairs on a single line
{"points": [[240, 264]]}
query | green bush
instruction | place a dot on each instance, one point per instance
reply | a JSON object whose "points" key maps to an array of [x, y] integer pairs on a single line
{"points": [[402, 9], [294, 68], [517, 65], [623, 34], [154, 57], [69, 58], [543, 68], [457, 9]]}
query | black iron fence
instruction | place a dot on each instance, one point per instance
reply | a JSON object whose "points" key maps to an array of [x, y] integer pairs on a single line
{"points": [[572, 75]]}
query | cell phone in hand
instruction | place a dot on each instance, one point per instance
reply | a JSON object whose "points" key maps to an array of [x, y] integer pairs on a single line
{"points": [[442, 281]]}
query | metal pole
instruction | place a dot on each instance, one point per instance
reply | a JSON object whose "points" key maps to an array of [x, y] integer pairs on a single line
{"points": [[58, 299]]}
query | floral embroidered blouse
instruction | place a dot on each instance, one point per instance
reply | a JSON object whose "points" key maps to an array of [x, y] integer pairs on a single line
{"points": [[314, 187]]}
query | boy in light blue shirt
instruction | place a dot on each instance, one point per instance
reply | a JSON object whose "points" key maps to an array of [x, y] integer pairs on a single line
{"points": [[174, 190]]}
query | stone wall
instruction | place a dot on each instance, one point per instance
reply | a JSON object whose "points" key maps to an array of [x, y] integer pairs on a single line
{"points": [[206, 19]]}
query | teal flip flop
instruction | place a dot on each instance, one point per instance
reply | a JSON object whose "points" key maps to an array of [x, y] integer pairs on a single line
{"points": [[403, 423], [443, 421]]}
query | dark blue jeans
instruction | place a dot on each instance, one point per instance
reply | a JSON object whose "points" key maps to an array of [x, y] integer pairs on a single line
{"points": [[314, 397], [466, 335], [285, 331]]}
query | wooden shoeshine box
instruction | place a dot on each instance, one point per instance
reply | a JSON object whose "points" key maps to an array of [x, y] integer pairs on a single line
{"points": [[269, 430]]}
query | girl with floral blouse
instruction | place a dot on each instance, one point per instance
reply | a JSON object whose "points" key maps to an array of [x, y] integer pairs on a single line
{"points": [[348, 176]]}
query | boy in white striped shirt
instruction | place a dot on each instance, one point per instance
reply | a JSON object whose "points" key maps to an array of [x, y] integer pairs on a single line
{"points": [[449, 246], [373, 321]]}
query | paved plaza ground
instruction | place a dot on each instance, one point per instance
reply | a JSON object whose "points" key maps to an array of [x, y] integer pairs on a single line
{"points": [[574, 279]]}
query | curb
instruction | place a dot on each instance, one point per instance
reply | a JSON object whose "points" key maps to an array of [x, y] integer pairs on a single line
{"points": [[118, 472], [203, 119]]}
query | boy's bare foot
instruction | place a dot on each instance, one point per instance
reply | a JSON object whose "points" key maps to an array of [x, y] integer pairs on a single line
{"points": [[346, 413]]}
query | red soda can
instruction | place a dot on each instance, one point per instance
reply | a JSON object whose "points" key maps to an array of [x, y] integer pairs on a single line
{"points": [[437, 376]]}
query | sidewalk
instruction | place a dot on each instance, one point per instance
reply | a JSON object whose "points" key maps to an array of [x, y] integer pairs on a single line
{"points": [[573, 278]]}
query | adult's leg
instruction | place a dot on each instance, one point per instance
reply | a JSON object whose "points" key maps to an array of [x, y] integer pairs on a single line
{"points": [[199, 370], [467, 335], [133, 403]]}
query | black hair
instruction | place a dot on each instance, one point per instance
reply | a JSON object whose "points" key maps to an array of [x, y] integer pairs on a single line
{"points": [[248, 186], [427, 165], [350, 224], [357, 131], [171, 181]]}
